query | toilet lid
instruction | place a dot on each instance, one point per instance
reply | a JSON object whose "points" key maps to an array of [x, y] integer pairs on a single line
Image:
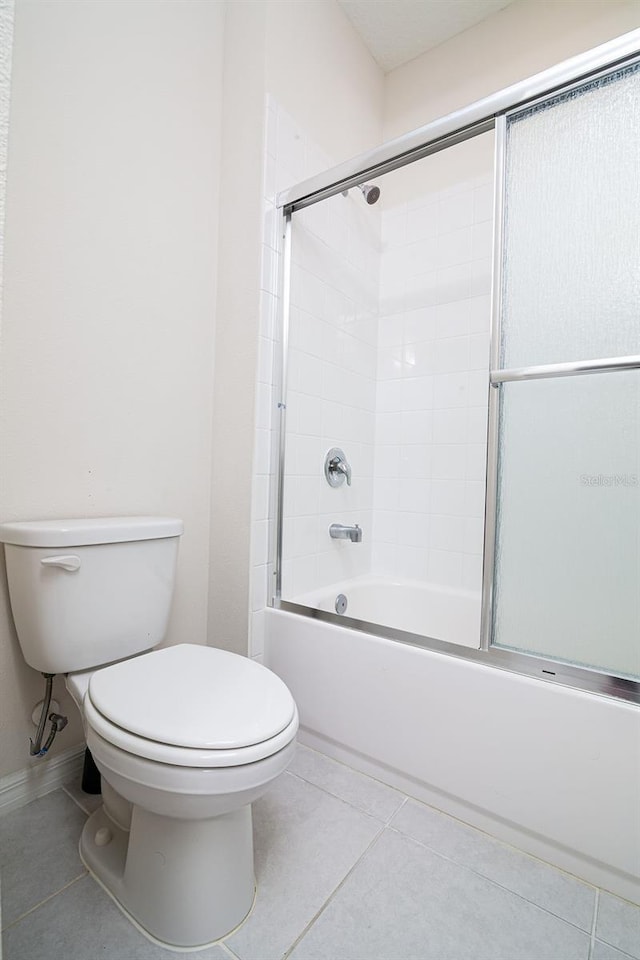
{"points": [[194, 696]]}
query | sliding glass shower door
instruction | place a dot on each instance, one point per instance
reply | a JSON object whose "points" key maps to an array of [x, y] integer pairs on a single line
{"points": [[567, 554]]}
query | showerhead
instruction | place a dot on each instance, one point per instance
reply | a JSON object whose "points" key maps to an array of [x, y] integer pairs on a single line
{"points": [[370, 192]]}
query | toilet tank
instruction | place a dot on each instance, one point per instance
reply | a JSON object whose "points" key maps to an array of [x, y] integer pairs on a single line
{"points": [[86, 592]]}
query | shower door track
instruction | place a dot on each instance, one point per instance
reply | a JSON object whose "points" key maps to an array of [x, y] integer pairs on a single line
{"points": [[479, 117]]}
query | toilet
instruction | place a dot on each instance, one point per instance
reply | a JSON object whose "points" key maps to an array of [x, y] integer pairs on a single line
{"points": [[185, 737]]}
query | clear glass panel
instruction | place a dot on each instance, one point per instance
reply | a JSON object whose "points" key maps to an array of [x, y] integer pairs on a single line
{"points": [[389, 361], [572, 251], [567, 581]]}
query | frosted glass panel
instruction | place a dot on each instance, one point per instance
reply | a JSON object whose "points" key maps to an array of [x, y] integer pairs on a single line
{"points": [[572, 231], [567, 564]]}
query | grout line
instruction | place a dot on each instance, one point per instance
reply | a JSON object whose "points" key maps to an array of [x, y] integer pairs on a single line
{"points": [[496, 883], [594, 937], [76, 800], [396, 811], [348, 802], [594, 922], [223, 945], [334, 892], [37, 906]]}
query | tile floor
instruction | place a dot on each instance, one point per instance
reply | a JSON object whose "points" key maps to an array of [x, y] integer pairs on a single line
{"points": [[347, 869]]}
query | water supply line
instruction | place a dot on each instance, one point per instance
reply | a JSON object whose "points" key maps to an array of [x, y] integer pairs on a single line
{"points": [[58, 722]]}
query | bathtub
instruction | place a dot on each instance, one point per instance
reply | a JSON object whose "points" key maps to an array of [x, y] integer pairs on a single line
{"points": [[428, 610], [550, 769]]}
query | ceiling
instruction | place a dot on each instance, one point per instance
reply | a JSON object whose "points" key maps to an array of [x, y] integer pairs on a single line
{"points": [[396, 31]]}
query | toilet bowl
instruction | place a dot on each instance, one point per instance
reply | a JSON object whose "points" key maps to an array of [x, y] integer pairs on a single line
{"points": [[185, 737]]}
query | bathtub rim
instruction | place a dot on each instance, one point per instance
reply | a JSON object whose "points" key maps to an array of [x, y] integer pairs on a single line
{"points": [[587, 679], [314, 599]]}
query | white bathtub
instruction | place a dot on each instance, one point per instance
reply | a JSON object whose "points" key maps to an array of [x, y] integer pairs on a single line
{"points": [[552, 770], [425, 609]]}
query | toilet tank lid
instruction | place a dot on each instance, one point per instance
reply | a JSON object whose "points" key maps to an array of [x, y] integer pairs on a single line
{"points": [[90, 530]]}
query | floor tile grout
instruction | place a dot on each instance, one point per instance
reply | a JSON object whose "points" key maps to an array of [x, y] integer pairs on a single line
{"points": [[333, 893], [382, 825], [81, 876], [448, 816], [495, 883], [76, 800], [594, 922], [223, 946], [396, 812], [348, 802]]}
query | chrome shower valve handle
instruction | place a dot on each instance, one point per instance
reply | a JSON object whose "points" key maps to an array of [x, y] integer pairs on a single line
{"points": [[336, 468]]}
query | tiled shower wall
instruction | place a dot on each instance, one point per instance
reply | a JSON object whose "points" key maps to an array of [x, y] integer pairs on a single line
{"points": [[432, 391], [332, 377], [389, 340], [331, 389]]}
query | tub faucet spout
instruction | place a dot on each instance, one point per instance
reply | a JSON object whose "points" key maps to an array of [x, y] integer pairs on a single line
{"points": [[339, 531]]}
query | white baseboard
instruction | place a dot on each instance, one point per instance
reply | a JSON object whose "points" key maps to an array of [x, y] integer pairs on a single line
{"points": [[43, 776]]}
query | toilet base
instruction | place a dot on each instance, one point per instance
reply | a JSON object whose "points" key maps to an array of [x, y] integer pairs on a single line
{"points": [[186, 883]]}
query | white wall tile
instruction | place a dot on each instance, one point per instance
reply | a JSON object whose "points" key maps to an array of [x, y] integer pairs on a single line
{"points": [[258, 587], [448, 533], [479, 314], [257, 631], [454, 247], [476, 461], [412, 529], [474, 498], [483, 203], [471, 572], [482, 239], [420, 325], [389, 343], [452, 319], [422, 221], [416, 426], [473, 535], [260, 543], [413, 495], [480, 278], [445, 568], [456, 210], [449, 461], [479, 352], [449, 497], [450, 390], [412, 563], [451, 425], [415, 461], [451, 355]]}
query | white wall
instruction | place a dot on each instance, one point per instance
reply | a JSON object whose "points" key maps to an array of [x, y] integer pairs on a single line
{"points": [[526, 37], [106, 361], [307, 58], [237, 315]]}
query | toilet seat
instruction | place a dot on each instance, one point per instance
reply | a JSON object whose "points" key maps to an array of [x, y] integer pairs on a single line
{"points": [[192, 706]]}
